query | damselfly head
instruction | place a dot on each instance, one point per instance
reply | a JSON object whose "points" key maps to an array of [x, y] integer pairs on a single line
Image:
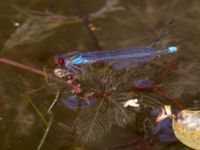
{"points": [[60, 60]]}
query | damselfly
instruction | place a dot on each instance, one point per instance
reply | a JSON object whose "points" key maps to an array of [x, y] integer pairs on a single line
{"points": [[119, 59]]}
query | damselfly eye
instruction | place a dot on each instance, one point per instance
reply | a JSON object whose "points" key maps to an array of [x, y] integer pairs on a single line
{"points": [[60, 61]]}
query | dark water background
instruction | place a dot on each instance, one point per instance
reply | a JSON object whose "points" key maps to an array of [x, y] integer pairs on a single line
{"points": [[139, 23]]}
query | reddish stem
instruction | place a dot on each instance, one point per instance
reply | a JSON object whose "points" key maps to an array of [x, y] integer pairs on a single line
{"points": [[168, 68], [22, 66], [176, 102], [168, 97], [29, 68]]}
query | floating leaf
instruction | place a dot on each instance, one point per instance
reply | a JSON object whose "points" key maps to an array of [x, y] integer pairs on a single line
{"points": [[186, 127]]}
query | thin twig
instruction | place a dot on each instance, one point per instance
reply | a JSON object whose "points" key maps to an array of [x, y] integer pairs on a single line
{"points": [[65, 127], [167, 69], [168, 97], [87, 24], [45, 133], [36, 110], [55, 100], [40, 89], [22, 66], [30, 69], [174, 101]]}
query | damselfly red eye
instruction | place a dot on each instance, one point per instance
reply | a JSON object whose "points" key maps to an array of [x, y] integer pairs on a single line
{"points": [[60, 61]]}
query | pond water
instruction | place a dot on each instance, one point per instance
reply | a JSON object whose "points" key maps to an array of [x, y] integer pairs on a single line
{"points": [[33, 32]]}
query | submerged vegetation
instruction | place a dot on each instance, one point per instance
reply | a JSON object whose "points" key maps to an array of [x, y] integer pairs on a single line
{"points": [[86, 111]]}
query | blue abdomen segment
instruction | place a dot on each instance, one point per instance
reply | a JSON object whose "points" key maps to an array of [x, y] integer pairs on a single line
{"points": [[137, 54], [120, 54], [172, 49]]}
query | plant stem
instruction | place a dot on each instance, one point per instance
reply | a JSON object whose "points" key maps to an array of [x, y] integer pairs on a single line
{"points": [[45, 133], [162, 94], [55, 100], [30, 69], [36, 110], [22, 66], [87, 24]]}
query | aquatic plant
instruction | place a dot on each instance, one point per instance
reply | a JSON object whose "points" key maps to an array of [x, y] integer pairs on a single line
{"points": [[168, 80], [40, 25]]}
